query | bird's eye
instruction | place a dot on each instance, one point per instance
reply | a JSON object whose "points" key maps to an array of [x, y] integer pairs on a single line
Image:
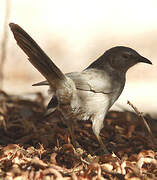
{"points": [[126, 56]]}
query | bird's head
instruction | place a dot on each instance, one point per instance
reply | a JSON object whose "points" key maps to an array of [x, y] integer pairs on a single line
{"points": [[122, 58]]}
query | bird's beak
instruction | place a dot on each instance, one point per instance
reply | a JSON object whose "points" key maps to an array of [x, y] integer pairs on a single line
{"points": [[145, 60]]}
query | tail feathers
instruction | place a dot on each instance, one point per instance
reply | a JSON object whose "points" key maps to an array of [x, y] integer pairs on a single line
{"points": [[52, 106], [42, 83], [37, 56]]}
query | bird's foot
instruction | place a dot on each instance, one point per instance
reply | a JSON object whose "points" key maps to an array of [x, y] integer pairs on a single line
{"points": [[102, 146]]}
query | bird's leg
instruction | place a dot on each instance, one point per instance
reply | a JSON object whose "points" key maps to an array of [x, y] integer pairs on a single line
{"points": [[71, 131], [97, 125], [70, 124], [103, 147]]}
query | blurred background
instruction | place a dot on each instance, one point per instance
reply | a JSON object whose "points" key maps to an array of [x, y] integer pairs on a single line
{"points": [[74, 33]]}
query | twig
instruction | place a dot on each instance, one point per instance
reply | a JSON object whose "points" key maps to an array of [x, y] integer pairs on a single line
{"points": [[144, 122], [4, 41]]}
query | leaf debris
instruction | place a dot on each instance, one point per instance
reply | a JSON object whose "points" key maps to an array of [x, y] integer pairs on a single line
{"points": [[33, 146]]}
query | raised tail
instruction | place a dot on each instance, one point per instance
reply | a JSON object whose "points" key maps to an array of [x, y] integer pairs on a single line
{"points": [[37, 56]]}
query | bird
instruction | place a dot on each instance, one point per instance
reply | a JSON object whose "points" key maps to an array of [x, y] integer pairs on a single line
{"points": [[85, 95]]}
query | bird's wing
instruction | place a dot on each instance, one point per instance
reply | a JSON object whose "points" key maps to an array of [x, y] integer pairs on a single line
{"points": [[92, 80], [88, 80]]}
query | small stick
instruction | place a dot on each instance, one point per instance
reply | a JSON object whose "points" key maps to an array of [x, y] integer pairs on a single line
{"points": [[4, 42], [144, 121]]}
